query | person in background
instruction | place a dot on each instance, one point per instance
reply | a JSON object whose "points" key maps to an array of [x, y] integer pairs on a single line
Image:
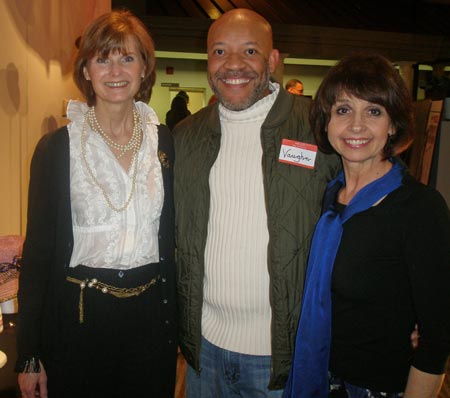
{"points": [[178, 109], [96, 293], [437, 84], [183, 94], [212, 99], [380, 256], [248, 187], [294, 86]]}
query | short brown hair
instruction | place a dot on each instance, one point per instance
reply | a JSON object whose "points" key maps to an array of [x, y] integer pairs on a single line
{"points": [[108, 33], [292, 83], [373, 78]]}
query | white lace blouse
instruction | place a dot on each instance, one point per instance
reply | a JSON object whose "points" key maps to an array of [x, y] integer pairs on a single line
{"points": [[104, 238]]}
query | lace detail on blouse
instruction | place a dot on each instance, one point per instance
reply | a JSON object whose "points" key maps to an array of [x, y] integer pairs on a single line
{"points": [[104, 238]]}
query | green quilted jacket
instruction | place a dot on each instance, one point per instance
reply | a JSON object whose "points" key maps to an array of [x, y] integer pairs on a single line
{"points": [[293, 197]]}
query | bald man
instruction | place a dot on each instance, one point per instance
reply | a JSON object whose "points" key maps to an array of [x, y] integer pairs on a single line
{"points": [[248, 184]]}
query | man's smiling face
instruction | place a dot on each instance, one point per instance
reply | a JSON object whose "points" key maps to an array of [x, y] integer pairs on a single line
{"points": [[240, 60]]}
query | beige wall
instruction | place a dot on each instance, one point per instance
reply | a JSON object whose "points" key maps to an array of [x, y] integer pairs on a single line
{"points": [[37, 39]]}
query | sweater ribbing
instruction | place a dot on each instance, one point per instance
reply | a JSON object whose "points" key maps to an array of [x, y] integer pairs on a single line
{"points": [[237, 311]]}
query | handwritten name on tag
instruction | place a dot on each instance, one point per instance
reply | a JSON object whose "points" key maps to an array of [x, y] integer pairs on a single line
{"points": [[298, 153]]}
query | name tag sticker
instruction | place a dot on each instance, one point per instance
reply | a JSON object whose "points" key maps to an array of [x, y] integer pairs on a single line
{"points": [[298, 153]]}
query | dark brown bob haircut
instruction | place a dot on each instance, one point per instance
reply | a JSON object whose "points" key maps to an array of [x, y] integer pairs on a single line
{"points": [[108, 33], [370, 77]]}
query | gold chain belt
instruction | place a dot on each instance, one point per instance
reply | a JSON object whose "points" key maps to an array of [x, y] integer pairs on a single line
{"points": [[120, 292]]}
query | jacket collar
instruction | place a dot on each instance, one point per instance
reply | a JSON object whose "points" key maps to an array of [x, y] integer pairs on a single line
{"points": [[280, 110]]}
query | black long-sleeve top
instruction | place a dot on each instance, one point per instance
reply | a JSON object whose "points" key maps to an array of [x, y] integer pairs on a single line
{"points": [[392, 271]]}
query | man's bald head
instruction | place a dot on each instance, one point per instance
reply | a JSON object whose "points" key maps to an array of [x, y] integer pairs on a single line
{"points": [[243, 17], [240, 58]]}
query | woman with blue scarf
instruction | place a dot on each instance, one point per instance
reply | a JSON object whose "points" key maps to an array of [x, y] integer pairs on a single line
{"points": [[380, 257]]}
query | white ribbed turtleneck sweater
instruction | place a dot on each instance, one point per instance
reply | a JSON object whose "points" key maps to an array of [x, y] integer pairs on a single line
{"points": [[236, 309]]}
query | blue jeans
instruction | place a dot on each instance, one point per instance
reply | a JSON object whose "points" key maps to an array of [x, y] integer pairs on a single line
{"points": [[228, 374]]}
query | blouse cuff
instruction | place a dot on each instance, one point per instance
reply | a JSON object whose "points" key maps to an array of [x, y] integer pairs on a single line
{"points": [[30, 365]]}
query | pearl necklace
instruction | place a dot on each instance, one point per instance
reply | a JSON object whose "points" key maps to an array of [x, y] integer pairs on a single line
{"points": [[134, 162], [134, 142]]}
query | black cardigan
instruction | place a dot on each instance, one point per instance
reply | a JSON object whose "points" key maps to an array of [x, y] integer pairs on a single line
{"points": [[391, 272], [49, 243]]}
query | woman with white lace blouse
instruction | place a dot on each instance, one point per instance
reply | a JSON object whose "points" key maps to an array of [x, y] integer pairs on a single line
{"points": [[96, 292]]}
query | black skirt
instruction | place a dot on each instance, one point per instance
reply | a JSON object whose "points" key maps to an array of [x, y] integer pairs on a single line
{"points": [[120, 349]]}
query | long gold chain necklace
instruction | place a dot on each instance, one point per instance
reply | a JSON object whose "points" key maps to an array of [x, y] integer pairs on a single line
{"points": [[134, 142], [134, 163]]}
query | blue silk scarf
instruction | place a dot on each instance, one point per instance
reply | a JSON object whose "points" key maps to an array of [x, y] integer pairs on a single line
{"points": [[309, 372]]}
